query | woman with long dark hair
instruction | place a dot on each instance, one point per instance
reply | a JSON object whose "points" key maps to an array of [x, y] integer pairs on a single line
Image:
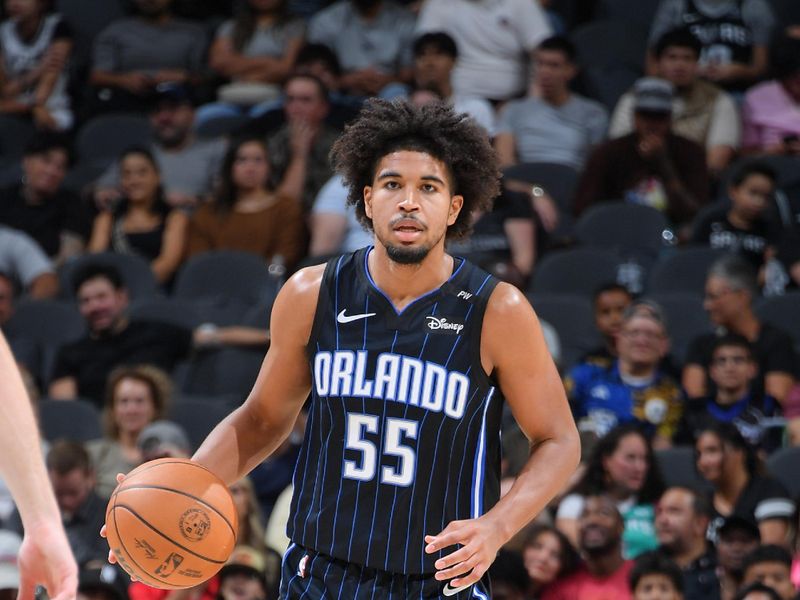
{"points": [[249, 215], [725, 459], [142, 223], [621, 466], [548, 556]]}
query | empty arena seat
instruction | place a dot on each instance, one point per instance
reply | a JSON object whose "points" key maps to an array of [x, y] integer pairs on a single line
{"points": [[783, 466], [784, 312], [102, 139], [683, 270], [135, 271], [686, 319], [625, 228], [572, 317], [677, 467], [77, 420], [575, 271]]}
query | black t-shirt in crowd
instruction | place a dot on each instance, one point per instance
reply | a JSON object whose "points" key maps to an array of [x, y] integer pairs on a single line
{"points": [[46, 221], [773, 351], [762, 498], [90, 360], [716, 230]]}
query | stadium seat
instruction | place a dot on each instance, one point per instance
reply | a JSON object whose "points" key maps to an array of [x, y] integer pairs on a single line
{"points": [[559, 181], [102, 139], [785, 11], [86, 24], [219, 126], [625, 228], [573, 318], [575, 271], [607, 83], [225, 285], [677, 467], [77, 420], [197, 417], [136, 273], [225, 371], [165, 310], [783, 466], [634, 12], [15, 133], [686, 319], [683, 270], [610, 42], [784, 312], [47, 324]]}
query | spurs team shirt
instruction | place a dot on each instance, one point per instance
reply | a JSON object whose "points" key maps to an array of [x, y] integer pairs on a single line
{"points": [[403, 426]]}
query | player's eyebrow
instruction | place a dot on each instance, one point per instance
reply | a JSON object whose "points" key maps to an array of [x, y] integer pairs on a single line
{"points": [[395, 174]]}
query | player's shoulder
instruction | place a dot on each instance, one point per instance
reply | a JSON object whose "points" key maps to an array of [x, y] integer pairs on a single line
{"points": [[508, 301], [305, 282]]}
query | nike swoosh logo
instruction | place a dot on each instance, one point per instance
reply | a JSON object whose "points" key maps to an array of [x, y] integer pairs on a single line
{"points": [[343, 318], [451, 591]]}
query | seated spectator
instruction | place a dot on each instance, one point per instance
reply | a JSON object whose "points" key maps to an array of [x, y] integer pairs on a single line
{"points": [[682, 518], [745, 226], [726, 461], [771, 110], [372, 39], [730, 292], [141, 222], [96, 582], [242, 577], [651, 165], [10, 543], [24, 262], [701, 111], [552, 124], [734, 35], [605, 571], [770, 565], [610, 302], [163, 439], [82, 367], [188, 165], [133, 55], [251, 525], [321, 62], [39, 206], [35, 45], [495, 42], [333, 223], [248, 215], [82, 510], [503, 239], [548, 557], [656, 577], [736, 538], [622, 466], [732, 371], [256, 51], [633, 388], [135, 397], [435, 55], [757, 591]]}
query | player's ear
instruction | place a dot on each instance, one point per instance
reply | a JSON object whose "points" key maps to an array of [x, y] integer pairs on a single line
{"points": [[368, 200], [456, 203]]}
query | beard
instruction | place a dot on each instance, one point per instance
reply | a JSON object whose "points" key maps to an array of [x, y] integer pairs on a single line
{"points": [[407, 256]]}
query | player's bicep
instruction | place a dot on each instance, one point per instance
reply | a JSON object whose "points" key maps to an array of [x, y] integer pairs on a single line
{"points": [[518, 355]]}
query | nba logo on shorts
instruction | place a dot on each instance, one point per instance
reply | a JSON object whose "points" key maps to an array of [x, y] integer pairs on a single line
{"points": [[301, 568]]}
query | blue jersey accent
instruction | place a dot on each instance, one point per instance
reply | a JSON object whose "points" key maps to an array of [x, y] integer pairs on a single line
{"points": [[399, 400]]}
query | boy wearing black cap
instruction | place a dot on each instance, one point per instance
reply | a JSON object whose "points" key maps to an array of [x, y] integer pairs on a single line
{"points": [[736, 538]]}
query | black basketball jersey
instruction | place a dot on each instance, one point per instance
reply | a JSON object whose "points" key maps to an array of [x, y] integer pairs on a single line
{"points": [[403, 426], [725, 39]]}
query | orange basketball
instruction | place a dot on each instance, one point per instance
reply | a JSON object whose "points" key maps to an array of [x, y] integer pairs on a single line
{"points": [[171, 523]]}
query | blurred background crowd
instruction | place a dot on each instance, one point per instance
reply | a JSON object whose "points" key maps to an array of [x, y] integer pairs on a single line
{"points": [[164, 167]]}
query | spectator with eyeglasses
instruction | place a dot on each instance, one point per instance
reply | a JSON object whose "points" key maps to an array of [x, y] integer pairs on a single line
{"points": [[734, 400]]}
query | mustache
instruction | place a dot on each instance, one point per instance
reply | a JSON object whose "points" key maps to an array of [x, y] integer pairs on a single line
{"points": [[401, 218]]}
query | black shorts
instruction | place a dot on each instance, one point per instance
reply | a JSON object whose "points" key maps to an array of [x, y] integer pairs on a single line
{"points": [[312, 576]]}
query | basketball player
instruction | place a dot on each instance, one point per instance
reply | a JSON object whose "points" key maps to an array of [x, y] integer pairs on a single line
{"points": [[45, 557], [409, 355]]}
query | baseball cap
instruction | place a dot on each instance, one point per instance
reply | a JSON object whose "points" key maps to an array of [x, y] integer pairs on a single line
{"points": [[172, 92], [9, 550], [163, 436], [244, 560], [653, 95], [737, 523]]}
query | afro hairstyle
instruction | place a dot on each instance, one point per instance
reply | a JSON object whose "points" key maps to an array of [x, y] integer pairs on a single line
{"points": [[384, 127]]}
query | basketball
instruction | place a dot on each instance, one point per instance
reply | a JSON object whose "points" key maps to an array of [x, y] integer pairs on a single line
{"points": [[171, 523]]}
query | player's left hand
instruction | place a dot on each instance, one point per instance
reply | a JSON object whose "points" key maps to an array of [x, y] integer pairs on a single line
{"points": [[45, 559], [480, 541]]}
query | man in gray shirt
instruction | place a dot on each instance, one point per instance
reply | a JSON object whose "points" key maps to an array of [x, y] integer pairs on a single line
{"points": [[24, 262], [131, 56], [552, 124], [373, 40], [189, 166]]}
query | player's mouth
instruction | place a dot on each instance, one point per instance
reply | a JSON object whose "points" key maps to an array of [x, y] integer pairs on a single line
{"points": [[408, 230]]}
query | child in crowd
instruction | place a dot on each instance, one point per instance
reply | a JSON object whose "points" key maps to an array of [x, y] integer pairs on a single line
{"points": [[656, 577]]}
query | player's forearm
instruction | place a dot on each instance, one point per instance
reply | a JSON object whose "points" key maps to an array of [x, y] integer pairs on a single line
{"points": [[547, 471], [21, 463], [239, 443]]}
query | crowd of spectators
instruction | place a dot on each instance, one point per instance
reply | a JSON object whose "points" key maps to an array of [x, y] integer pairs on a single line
{"points": [[235, 108]]}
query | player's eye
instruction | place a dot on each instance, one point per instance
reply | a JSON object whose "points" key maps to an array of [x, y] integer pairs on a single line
{"points": [[392, 185], [428, 187]]}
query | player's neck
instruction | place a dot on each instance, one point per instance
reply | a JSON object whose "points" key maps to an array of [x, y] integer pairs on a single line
{"points": [[403, 284]]}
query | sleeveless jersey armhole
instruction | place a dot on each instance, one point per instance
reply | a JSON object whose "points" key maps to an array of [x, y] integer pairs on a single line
{"points": [[323, 302], [481, 305]]}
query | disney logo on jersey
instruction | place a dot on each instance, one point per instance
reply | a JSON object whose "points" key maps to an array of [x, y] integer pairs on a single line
{"points": [[443, 325]]}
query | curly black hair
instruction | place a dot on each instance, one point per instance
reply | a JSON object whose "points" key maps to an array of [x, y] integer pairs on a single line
{"points": [[384, 127]]}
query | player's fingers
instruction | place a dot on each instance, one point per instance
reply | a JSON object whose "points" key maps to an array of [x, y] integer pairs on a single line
{"points": [[459, 569], [111, 558], [452, 534], [27, 586], [120, 477], [454, 558], [472, 578], [103, 531]]}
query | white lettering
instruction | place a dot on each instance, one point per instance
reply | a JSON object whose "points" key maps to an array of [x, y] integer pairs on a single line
{"points": [[456, 399], [342, 375], [386, 376]]}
